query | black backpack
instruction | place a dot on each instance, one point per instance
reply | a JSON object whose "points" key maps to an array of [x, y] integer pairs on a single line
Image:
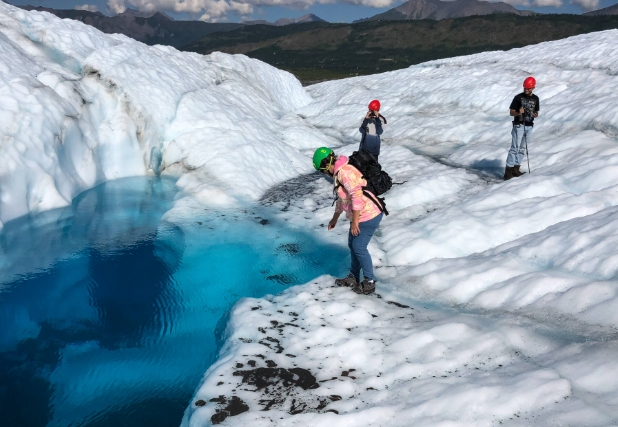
{"points": [[378, 181]]}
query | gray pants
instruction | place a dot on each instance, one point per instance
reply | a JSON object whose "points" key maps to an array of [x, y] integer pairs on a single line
{"points": [[519, 140]]}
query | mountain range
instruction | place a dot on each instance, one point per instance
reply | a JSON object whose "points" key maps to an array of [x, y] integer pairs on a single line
{"points": [[319, 51], [150, 28], [157, 27], [611, 10], [437, 9], [310, 17], [315, 50], [139, 14]]}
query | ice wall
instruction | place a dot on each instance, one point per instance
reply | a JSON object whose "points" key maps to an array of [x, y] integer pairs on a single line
{"points": [[79, 107]]}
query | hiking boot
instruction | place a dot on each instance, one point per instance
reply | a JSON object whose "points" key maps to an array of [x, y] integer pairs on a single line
{"points": [[516, 171], [349, 280], [365, 287], [369, 286], [508, 173]]}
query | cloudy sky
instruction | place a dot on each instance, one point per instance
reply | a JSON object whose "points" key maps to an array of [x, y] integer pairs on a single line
{"points": [[271, 10]]}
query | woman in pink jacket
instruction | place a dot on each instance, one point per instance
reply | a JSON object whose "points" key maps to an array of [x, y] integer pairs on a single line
{"points": [[364, 214]]}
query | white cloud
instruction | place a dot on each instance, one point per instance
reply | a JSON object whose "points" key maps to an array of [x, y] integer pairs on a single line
{"points": [[116, 6], [210, 10], [215, 10], [548, 3], [554, 3], [538, 3], [587, 4], [525, 3], [242, 8], [88, 7]]}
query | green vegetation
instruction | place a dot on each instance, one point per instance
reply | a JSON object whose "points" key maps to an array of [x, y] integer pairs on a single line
{"points": [[254, 34], [315, 75], [321, 51]]}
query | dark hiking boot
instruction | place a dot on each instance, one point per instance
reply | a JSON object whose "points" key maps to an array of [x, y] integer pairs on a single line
{"points": [[369, 286], [365, 287], [349, 280], [508, 173], [516, 171]]}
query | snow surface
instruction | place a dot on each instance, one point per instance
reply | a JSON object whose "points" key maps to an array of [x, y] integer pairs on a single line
{"points": [[511, 286], [79, 107], [498, 299]]}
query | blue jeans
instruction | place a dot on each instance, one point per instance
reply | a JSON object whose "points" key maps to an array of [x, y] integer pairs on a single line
{"points": [[358, 248], [519, 140]]}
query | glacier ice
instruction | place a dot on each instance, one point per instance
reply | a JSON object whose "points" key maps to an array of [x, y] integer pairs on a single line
{"points": [[510, 287], [498, 298], [80, 107]]}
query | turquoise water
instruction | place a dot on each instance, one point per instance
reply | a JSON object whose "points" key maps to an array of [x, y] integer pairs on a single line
{"points": [[110, 315]]}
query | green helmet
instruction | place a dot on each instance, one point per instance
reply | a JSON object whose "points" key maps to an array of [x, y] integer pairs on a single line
{"points": [[319, 155]]}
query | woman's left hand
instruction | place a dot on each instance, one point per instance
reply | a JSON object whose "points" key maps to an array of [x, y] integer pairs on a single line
{"points": [[354, 228]]}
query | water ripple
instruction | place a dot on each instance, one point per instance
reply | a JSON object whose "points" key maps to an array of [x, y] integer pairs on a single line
{"points": [[119, 314]]}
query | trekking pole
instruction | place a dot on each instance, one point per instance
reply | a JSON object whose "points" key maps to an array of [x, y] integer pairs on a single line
{"points": [[527, 156], [526, 138]]}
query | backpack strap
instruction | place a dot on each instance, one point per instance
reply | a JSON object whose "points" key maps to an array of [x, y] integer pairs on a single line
{"points": [[355, 167], [379, 202], [335, 188]]}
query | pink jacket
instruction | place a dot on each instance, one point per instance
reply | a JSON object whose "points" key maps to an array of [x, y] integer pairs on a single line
{"points": [[350, 192]]}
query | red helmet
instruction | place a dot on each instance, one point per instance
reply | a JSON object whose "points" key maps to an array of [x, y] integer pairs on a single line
{"points": [[374, 105], [529, 83]]}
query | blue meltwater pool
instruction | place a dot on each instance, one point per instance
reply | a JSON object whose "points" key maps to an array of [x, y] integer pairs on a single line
{"points": [[110, 314]]}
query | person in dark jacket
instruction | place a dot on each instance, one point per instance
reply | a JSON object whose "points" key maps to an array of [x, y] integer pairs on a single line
{"points": [[371, 129], [524, 109]]}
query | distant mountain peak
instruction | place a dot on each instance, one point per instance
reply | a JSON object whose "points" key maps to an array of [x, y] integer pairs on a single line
{"points": [[29, 7], [438, 9], [611, 10], [147, 27], [310, 17], [138, 14]]}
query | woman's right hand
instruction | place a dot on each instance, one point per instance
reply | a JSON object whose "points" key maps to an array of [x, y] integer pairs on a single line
{"points": [[354, 228], [332, 223]]}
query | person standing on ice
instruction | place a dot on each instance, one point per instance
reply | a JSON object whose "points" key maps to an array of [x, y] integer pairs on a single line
{"points": [[371, 129], [363, 213], [524, 109]]}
